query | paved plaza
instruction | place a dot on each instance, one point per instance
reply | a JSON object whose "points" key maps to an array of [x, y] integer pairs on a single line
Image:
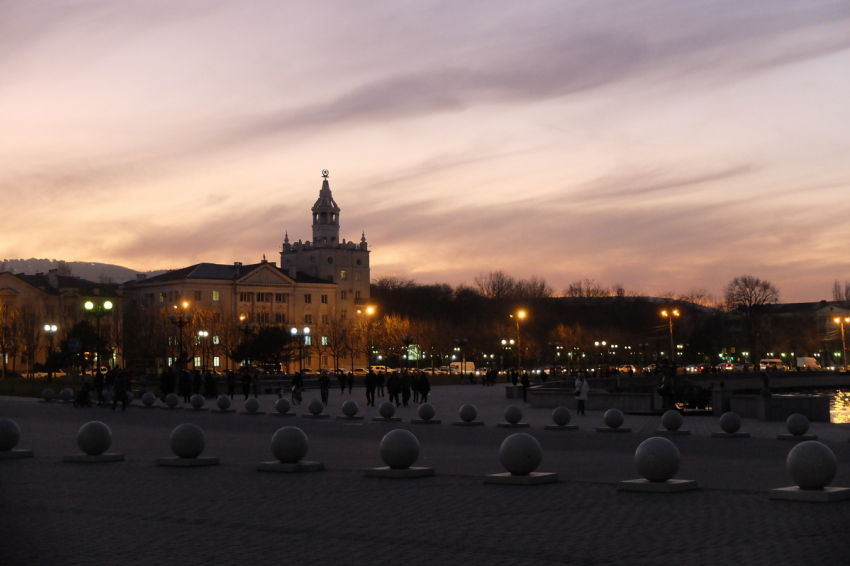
{"points": [[133, 512]]}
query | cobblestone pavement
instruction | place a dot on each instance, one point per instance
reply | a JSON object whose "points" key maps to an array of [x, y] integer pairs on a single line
{"points": [[135, 513]]}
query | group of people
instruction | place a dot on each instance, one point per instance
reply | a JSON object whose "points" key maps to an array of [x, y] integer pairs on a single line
{"points": [[399, 386], [116, 383]]}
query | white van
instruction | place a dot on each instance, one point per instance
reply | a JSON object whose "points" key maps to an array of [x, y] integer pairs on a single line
{"points": [[771, 365], [808, 363]]}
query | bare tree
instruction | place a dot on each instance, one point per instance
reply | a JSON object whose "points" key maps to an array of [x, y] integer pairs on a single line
{"points": [[534, 288], [31, 322], [839, 294], [9, 335], [495, 285], [587, 288], [746, 294]]}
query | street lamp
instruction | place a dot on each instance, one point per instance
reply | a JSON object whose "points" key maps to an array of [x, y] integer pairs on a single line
{"points": [[50, 329], [841, 322], [369, 311], [202, 336], [669, 315], [302, 338], [98, 311], [520, 315], [461, 342], [506, 345], [180, 319]]}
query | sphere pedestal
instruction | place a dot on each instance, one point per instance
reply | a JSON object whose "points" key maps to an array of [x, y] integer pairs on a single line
{"points": [[520, 454], [14, 454], [657, 460], [812, 466], [296, 468], [386, 419], [94, 439], [730, 434], [399, 450]]}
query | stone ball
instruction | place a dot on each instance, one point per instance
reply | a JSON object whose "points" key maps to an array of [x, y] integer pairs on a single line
{"points": [[316, 407], [107, 396], [10, 434], [426, 411], [812, 465], [148, 399], [513, 414], [613, 418], [797, 424], [561, 416], [468, 413], [289, 444], [197, 400], [47, 394], [172, 400], [350, 408], [223, 402], [67, 394], [94, 438], [386, 409], [520, 454], [283, 405], [129, 396], [671, 420], [730, 422], [399, 449], [657, 459], [251, 404], [188, 441]]}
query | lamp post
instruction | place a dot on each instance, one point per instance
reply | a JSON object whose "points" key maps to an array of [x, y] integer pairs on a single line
{"points": [[202, 338], [246, 330], [98, 311], [520, 315], [669, 315], [302, 337], [180, 319], [506, 345], [369, 311], [840, 321], [461, 342], [50, 329]]}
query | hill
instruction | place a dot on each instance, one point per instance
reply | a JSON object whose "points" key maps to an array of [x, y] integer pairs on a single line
{"points": [[103, 272]]}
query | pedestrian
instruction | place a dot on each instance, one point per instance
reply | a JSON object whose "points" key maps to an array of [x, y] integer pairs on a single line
{"points": [[120, 387], [97, 383], [371, 383], [246, 383], [231, 383], [405, 383], [394, 388], [209, 386], [581, 387], [109, 381], [526, 383], [381, 380], [424, 389], [255, 383], [196, 382], [297, 384], [341, 378], [414, 386], [324, 386], [350, 381], [185, 385], [167, 382]]}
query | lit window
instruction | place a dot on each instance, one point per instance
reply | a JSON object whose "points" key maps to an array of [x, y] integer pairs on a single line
{"points": [[343, 275], [162, 300], [216, 296], [198, 361], [216, 340], [216, 361], [356, 295], [324, 340], [308, 340]]}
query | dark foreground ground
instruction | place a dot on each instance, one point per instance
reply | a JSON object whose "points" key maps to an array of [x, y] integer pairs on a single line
{"points": [[135, 513]]}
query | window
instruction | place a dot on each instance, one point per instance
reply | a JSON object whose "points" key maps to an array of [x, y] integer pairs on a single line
{"points": [[331, 278], [198, 361], [324, 341], [343, 295], [198, 295], [281, 297], [358, 276], [264, 297], [216, 339], [216, 361], [172, 340], [308, 319], [216, 296], [343, 275], [197, 340], [280, 318], [170, 361], [308, 298], [324, 360], [356, 295], [308, 340], [263, 317], [343, 314], [325, 319], [246, 297], [324, 299]]}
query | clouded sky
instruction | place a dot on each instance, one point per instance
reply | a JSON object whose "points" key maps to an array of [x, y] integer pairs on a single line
{"points": [[667, 145]]}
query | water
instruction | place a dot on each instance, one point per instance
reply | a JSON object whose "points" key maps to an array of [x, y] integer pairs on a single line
{"points": [[839, 403]]}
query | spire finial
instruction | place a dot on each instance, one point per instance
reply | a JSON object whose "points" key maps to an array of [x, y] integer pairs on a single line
{"points": [[363, 237], [325, 173], [286, 238]]}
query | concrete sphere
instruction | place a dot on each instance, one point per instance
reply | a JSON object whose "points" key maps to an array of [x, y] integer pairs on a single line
{"points": [[613, 418], [812, 465], [657, 459], [251, 404], [107, 397], [188, 441], [468, 413], [316, 407], [513, 414], [671, 420], [130, 397], [426, 411], [730, 422], [172, 400], [797, 424], [283, 405], [223, 402], [350, 408], [148, 399], [399, 449], [67, 394], [520, 454], [197, 400], [94, 438], [386, 409], [10, 434], [289, 444], [561, 416], [47, 394]]}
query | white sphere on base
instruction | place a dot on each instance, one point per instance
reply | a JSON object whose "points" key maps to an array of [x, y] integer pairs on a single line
{"points": [[10, 434], [520, 454], [47, 394], [426, 411], [94, 438], [316, 407], [399, 449], [386, 410], [251, 405], [172, 400], [812, 465], [350, 408], [67, 394], [513, 414], [561, 416], [657, 459], [283, 405], [197, 401], [188, 441], [797, 424], [730, 422], [671, 420], [289, 444], [223, 402], [468, 413], [613, 418], [148, 399]]}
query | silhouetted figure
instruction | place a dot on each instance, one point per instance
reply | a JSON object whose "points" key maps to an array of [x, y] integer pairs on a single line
{"points": [[350, 381], [121, 387], [196, 382], [230, 380], [185, 385], [246, 384], [424, 389], [526, 383], [394, 388], [341, 378], [324, 386], [581, 387], [97, 383], [380, 381], [405, 382], [371, 383]]}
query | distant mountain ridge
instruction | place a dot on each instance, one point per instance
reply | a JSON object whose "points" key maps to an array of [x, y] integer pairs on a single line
{"points": [[101, 272]]}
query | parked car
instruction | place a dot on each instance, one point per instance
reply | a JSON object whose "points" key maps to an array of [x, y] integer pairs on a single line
{"points": [[627, 369]]}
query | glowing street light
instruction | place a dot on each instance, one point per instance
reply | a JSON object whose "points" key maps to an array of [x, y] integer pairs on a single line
{"points": [[98, 311], [841, 321], [520, 315]]}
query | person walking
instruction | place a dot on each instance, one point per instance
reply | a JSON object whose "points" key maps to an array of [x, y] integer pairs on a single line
{"points": [[324, 386], [380, 381], [185, 385], [341, 378], [209, 386], [97, 383], [526, 383], [110, 382], [120, 386], [167, 382], [424, 389], [246, 384], [297, 385], [405, 383], [196, 382], [394, 388], [581, 387], [350, 381], [414, 386], [231, 383], [255, 383], [371, 383]]}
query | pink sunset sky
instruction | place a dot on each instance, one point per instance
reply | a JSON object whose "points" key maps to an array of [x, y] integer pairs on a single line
{"points": [[668, 145]]}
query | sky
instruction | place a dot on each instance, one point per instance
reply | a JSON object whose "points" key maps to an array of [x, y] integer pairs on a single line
{"points": [[666, 145]]}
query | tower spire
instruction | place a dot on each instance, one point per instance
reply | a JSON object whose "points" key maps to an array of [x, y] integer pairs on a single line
{"points": [[325, 216]]}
